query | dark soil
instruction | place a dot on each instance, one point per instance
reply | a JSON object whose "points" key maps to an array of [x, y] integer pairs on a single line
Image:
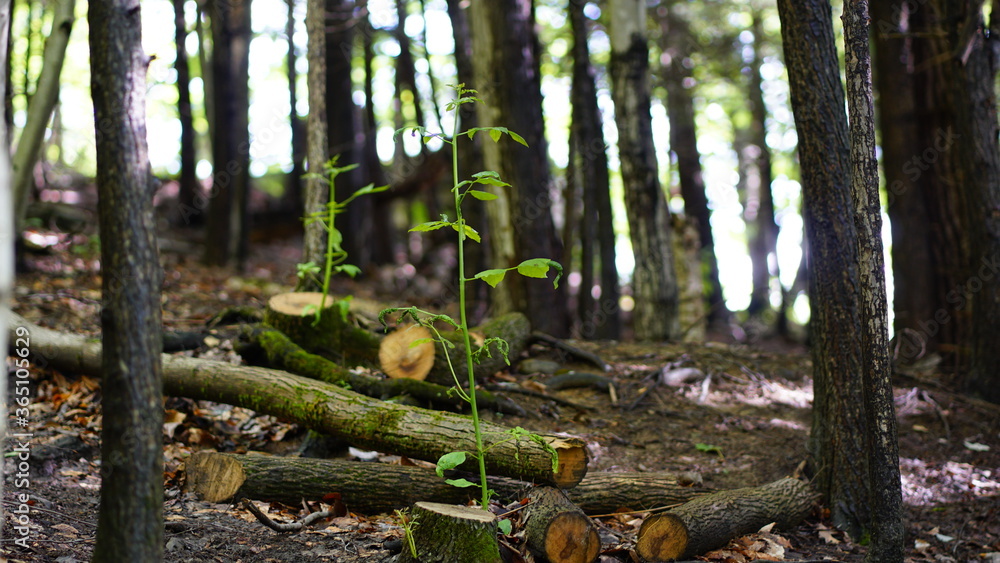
{"points": [[742, 422]]}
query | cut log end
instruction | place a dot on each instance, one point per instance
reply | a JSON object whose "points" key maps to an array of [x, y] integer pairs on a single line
{"points": [[662, 537], [407, 353], [212, 477], [571, 538], [573, 460]]}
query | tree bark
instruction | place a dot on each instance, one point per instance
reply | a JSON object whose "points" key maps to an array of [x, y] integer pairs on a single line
{"points": [[130, 524], [710, 521], [885, 492], [42, 102], [451, 534], [316, 193], [292, 197], [916, 291], [331, 409], [676, 39], [837, 441], [226, 225], [373, 488], [599, 317], [654, 281], [764, 231], [508, 77], [189, 187]]}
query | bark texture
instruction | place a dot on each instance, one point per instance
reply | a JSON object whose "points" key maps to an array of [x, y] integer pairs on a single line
{"points": [[654, 281], [508, 79], [130, 524], [226, 225], [189, 188], [676, 42], [599, 317], [446, 533], [885, 492], [316, 193], [837, 441]]}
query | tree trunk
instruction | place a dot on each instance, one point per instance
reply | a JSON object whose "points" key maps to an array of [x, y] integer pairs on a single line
{"points": [[710, 521], [43, 101], [677, 41], [330, 409], [373, 488], [292, 198], [764, 231], [130, 524], [316, 193], [885, 492], [344, 129], [557, 530], [839, 427], [916, 295], [599, 319], [189, 188], [226, 226], [508, 78], [654, 281], [444, 533]]}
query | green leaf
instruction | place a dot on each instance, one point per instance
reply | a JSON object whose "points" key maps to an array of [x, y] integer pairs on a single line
{"points": [[504, 526], [517, 138], [349, 269], [708, 448], [492, 277], [449, 461], [430, 226], [469, 232], [495, 135], [534, 268], [460, 483], [482, 196]]}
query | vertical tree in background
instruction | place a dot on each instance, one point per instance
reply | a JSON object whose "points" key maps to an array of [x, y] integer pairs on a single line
{"points": [[598, 319], [226, 226], [837, 441], [130, 524], [676, 44], [293, 187], [316, 193], [344, 129], [760, 211], [507, 76], [959, 106], [654, 282], [188, 181], [885, 492], [916, 294]]}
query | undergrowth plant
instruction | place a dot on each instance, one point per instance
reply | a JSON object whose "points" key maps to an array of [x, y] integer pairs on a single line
{"points": [[535, 268], [335, 254]]}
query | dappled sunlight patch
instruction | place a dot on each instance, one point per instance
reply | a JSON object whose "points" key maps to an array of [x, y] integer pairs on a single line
{"points": [[933, 483]]}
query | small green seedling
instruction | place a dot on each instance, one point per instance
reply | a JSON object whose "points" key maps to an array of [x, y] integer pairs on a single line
{"points": [[335, 254], [477, 187]]}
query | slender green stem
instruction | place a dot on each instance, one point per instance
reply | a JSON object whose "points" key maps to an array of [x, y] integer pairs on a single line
{"points": [[463, 320]]}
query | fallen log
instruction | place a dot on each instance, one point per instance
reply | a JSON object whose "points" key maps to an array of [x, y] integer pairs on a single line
{"points": [[262, 345], [374, 488], [556, 530], [710, 521], [357, 419]]}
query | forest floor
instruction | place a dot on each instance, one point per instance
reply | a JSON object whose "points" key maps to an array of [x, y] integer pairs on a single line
{"points": [[747, 425]]}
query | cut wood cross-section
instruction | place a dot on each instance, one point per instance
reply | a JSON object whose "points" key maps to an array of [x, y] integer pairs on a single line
{"points": [[407, 352]]}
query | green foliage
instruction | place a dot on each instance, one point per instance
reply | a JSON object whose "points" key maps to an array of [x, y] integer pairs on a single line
{"points": [[335, 254], [535, 268], [408, 524]]}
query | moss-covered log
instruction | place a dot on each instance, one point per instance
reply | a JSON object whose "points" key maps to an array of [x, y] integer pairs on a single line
{"points": [[444, 533], [557, 530], [270, 347], [357, 419], [710, 521], [324, 326], [372, 488]]}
